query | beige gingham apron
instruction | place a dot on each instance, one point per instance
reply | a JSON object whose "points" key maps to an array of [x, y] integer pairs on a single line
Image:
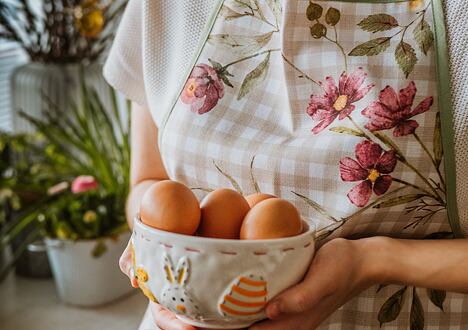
{"points": [[334, 106]]}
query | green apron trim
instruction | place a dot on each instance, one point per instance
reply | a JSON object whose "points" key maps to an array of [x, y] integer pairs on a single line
{"points": [[446, 115], [204, 37]]}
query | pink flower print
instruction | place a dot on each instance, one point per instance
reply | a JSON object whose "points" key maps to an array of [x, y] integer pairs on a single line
{"points": [[372, 167], [84, 183], [394, 111], [337, 100], [203, 89]]}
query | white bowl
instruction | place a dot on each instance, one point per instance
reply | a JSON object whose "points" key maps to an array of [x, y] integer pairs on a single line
{"points": [[218, 283]]}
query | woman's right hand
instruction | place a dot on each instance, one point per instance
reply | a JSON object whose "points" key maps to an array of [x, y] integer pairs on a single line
{"points": [[126, 266]]}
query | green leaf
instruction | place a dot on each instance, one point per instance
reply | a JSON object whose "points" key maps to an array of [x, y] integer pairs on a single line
{"points": [[234, 183], [392, 307], [252, 177], [378, 22], [332, 17], [371, 47], [255, 77], [394, 201], [347, 130], [240, 44], [417, 313], [424, 36], [314, 11], [405, 57], [437, 297], [437, 141], [315, 206], [389, 143], [318, 30], [275, 7], [99, 249]]}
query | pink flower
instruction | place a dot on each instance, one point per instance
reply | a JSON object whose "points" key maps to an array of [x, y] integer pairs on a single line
{"points": [[372, 168], [394, 111], [337, 100], [84, 183], [203, 89]]}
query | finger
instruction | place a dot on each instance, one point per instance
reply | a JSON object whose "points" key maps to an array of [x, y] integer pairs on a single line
{"points": [[166, 320], [301, 297], [126, 266]]}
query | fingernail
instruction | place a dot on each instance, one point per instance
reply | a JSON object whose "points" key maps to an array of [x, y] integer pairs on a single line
{"points": [[274, 310]]}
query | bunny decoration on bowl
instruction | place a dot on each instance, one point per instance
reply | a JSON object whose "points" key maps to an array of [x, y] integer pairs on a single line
{"points": [[175, 295]]}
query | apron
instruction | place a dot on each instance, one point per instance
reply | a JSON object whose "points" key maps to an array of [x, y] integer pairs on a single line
{"points": [[340, 107]]}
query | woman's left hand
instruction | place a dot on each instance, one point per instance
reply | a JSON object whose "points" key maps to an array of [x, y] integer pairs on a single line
{"points": [[339, 271]]}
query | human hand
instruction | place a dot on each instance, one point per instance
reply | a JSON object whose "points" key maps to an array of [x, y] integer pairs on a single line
{"points": [[126, 266], [339, 271]]}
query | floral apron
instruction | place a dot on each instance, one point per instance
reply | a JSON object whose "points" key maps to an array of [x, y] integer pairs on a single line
{"points": [[333, 105]]}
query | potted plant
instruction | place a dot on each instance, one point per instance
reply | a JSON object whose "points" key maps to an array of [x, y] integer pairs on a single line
{"points": [[82, 215], [60, 38], [23, 175]]}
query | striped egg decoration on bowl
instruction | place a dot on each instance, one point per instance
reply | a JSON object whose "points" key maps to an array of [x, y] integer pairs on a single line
{"points": [[246, 297]]}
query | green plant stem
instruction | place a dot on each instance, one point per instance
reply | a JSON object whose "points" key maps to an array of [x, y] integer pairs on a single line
{"points": [[249, 57], [303, 74], [416, 136], [336, 42], [413, 186]]}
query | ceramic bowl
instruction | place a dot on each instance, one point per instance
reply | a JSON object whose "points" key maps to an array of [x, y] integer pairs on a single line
{"points": [[217, 283]]}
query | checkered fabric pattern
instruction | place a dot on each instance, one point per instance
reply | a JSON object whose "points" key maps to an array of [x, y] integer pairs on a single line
{"points": [[270, 126]]}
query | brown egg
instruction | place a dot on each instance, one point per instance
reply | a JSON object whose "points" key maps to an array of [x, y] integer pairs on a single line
{"points": [[256, 198], [271, 218], [170, 206], [223, 212]]}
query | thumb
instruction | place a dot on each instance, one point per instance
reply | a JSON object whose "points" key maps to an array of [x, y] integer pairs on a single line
{"points": [[299, 298]]}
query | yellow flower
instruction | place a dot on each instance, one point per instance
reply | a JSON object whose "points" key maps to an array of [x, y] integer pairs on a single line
{"points": [[89, 19], [89, 216], [416, 4]]}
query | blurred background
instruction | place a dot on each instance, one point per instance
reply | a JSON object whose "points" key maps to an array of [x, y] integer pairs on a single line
{"points": [[64, 163]]}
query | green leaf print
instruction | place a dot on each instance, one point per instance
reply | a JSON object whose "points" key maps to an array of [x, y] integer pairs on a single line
{"points": [[437, 297], [255, 77], [399, 200], [371, 47], [252, 176], [233, 182], [437, 142], [314, 11], [332, 17], [392, 307], [347, 130], [239, 44], [318, 30], [315, 206], [417, 313], [405, 57], [423, 36], [378, 22]]}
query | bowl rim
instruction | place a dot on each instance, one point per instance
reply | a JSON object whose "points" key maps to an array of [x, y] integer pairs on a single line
{"points": [[308, 233]]}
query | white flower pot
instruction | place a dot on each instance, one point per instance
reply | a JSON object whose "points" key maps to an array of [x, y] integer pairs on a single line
{"points": [[84, 280]]}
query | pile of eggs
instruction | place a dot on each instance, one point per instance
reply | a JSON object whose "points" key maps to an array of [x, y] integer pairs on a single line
{"points": [[223, 213]]}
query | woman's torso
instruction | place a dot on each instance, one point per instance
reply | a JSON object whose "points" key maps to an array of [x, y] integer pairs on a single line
{"points": [[332, 105]]}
